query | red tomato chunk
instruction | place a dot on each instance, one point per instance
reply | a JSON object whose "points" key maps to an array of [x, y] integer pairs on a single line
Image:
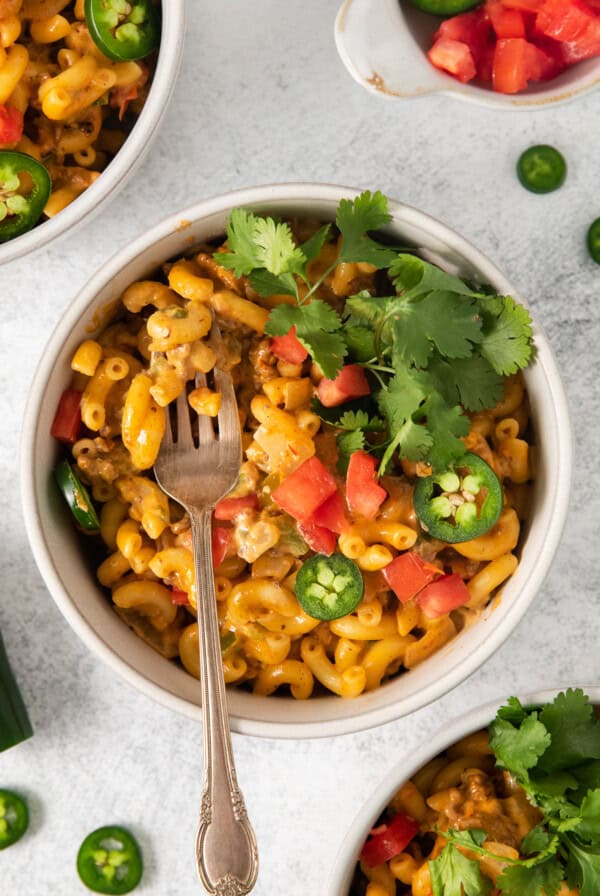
{"points": [[318, 538], [179, 598], [407, 575], [351, 382], [11, 125], [289, 348], [445, 594], [305, 490], [331, 515], [513, 43], [364, 495], [389, 840], [229, 508], [66, 426]]}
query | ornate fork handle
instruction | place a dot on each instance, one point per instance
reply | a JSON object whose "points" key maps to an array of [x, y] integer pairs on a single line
{"points": [[226, 852]]}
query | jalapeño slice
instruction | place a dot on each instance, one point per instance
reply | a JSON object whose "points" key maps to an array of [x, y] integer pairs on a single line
{"points": [[445, 8], [541, 169], [461, 503], [24, 190], [14, 818], [109, 861], [123, 29], [77, 497], [593, 240], [329, 587]]}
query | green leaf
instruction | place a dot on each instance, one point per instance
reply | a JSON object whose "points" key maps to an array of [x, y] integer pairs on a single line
{"points": [[241, 256], [355, 218], [366, 308], [409, 273], [583, 868], [574, 730], [453, 874], [538, 880], [276, 249], [360, 420], [347, 444], [513, 711], [506, 342], [589, 826], [312, 247], [537, 840], [519, 749], [477, 384], [317, 325], [267, 284], [445, 425], [402, 397]]}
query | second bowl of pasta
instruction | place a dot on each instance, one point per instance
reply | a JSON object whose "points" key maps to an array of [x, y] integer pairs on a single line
{"points": [[406, 444], [82, 92]]}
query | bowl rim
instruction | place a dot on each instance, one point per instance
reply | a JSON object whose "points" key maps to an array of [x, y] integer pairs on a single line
{"points": [[356, 718], [470, 93], [402, 770], [129, 155]]}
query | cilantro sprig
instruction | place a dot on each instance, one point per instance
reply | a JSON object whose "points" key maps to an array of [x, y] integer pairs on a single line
{"points": [[436, 347], [553, 752]]}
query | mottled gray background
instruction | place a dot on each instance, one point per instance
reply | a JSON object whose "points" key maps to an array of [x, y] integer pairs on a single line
{"points": [[263, 97]]}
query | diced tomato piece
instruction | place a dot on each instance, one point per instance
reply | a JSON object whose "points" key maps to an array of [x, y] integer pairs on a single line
{"points": [[66, 426], [567, 20], [229, 508], [179, 598], [505, 22], [289, 348], [485, 62], [454, 57], [389, 840], [470, 28], [11, 125], [331, 515], [221, 539], [364, 495], [351, 382], [305, 489], [318, 538], [523, 5], [511, 65], [545, 61], [445, 594], [407, 574]]}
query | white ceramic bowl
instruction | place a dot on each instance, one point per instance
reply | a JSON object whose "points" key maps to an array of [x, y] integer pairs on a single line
{"points": [[345, 864], [131, 153], [72, 583], [383, 44]]}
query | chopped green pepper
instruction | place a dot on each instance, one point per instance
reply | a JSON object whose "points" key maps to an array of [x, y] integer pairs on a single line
{"points": [[77, 497], [24, 190], [109, 861], [14, 721], [329, 587], [14, 818], [461, 503], [123, 29]]}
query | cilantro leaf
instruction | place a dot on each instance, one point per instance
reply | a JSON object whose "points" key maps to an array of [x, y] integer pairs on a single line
{"points": [[355, 219], [574, 730], [317, 325], [409, 273], [453, 874], [368, 309], [519, 749], [513, 711], [267, 284], [506, 342], [347, 444], [543, 879], [468, 381], [241, 256], [312, 247], [537, 840], [589, 826], [360, 420], [275, 248], [583, 868], [446, 425]]}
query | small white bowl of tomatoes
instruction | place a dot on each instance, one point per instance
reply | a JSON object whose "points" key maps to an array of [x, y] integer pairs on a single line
{"points": [[504, 53]]}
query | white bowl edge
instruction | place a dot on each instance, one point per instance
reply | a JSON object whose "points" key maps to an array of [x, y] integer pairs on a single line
{"points": [[255, 715], [343, 869]]}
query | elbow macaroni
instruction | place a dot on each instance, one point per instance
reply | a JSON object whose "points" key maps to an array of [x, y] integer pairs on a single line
{"points": [[133, 370]]}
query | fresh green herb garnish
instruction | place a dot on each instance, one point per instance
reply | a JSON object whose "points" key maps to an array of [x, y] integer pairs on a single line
{"points": [[553, 753], [436, 348]]}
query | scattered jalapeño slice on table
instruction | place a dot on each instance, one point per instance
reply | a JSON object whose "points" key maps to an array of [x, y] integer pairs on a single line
{"points": [[109, 861], [541, 169], [14, 818], [459, 504], [24, 190]]}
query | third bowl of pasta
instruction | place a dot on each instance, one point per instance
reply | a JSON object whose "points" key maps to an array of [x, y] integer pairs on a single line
{"points": [[406, 460]]}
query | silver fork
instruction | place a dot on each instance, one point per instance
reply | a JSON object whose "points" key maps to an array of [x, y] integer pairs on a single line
{"points": [[226, 851]]}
